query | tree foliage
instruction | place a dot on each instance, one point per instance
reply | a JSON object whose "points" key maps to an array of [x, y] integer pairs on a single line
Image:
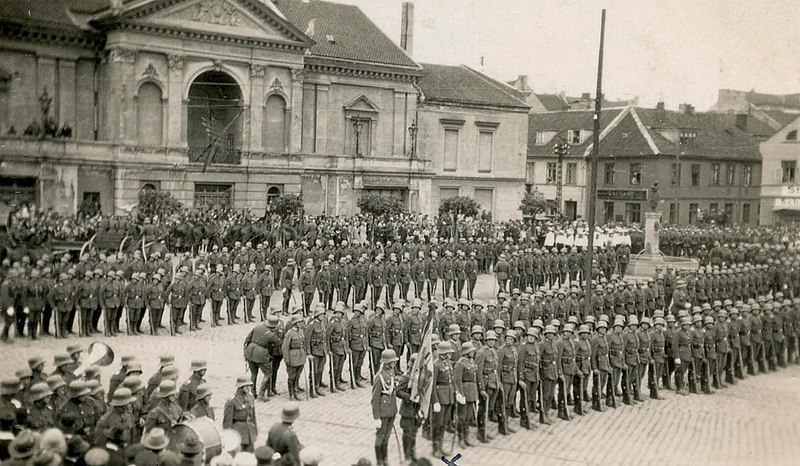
{"points": [[459, 205], [287, 205], [533, 204], [377, 205], [154, 203]]}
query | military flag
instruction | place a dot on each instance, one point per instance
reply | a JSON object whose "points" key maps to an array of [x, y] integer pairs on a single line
{"points": [[422, 372]]}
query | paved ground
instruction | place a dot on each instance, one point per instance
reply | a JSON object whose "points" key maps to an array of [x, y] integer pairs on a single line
{"points": [[750, 423]]}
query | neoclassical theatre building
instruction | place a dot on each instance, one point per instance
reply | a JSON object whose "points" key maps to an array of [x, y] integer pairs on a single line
{"points": [[233, 102]]}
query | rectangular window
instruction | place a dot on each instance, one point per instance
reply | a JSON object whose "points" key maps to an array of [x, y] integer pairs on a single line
{"points": [[212, 196], [695, 174], [687, 137], [715, 174], [552, 172], [633, 212], [609, 173], [450, 150], [530, 171], [713, 207], [572, 173], [674, 213], [788, 168], [676, 174], [636, 174], [485, 148], [574, 136], [729, 212], [730, 174], [745, 213], [484, 199], [693, 208], [747, 175], [608, 211], [539, 138], [447, 193]]}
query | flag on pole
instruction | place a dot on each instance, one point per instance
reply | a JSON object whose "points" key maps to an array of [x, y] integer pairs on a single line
{"points": [[422, 372], [216, 134]]}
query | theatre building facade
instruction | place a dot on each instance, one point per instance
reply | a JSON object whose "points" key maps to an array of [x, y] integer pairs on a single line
{"points": [[219, 102]]}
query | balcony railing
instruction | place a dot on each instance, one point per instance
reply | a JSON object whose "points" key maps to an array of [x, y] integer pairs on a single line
{"points": [[218, 155]]}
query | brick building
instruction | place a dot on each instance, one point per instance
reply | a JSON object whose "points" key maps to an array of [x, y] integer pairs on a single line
{"points": [[701, 161]]}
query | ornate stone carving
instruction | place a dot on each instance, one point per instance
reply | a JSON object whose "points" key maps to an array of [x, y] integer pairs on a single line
{"points": [[298, 74], [257, 70], [122, 55], [175, 62], [276, 84], [218, 65], [214, 12], [150, 71]]}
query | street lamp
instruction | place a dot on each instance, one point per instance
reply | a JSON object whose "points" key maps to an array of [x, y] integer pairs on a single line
{"points": [[357, 127], [561, 149], [412, 132]]}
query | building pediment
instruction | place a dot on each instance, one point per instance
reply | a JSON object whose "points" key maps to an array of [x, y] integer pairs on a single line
{"points": [[248, 19], [361, 104]]}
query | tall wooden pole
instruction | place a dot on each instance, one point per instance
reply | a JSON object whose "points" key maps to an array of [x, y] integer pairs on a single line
{"points": [[592, 193]]}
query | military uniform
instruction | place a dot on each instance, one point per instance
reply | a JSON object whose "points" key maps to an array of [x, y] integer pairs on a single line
{"points": [[240, 415]]}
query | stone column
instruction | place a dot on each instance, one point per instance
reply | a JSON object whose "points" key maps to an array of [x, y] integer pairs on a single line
{"points": [[295, 111], [322, 117], [400, 126], [652, 225], [121, 113], [174, 121], [257, 107], [66, 94]]}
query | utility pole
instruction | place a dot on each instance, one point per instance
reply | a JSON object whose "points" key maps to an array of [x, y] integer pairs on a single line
{"points": [[561, 149], [590, 212]]}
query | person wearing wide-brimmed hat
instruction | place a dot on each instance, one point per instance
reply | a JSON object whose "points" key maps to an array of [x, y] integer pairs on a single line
{"points": [[24, 446], [240, 413], [116, 426], [166, 412], [155, 440], [282, 438]]}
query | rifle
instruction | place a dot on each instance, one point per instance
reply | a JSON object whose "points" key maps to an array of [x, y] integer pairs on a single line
{"points": [[79, 312], [540, 391], [652, 377], [371, 366], [523, 402], [56, 313], [563, 395], [611, 392], [352, 370], [331, 373], [311, 392], [152, 322], [694, 374], [172, 320], [129, 321], [107, 322]]}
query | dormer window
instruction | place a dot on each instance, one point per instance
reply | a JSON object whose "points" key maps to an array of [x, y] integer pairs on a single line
{"points": [[574, 136], [687, 137]]}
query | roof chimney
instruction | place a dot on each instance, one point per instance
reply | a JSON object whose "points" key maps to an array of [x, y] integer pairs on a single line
{"points": [[688, 109], [660, 106], [407, 28], [116, 6], [586, 96]]}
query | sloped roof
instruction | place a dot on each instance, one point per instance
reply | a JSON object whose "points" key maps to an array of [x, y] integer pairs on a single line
{"points": [[717, 134], [465, 86], [784, 118], [553, 102], [355, 36], [777, 100], [53, 13], [561, 123]]}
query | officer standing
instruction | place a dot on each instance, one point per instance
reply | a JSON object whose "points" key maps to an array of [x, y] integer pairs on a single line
{"points": [[442, 396], [216, 291], [258, 348], [356, 339], [466, 384], [282, 437], [286, 283], [294, 353], [384, 404], [528, 371], [240, 413], [317, 349], [335, 341]]}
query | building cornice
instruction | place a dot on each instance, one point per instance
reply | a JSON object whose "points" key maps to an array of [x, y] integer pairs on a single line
{"points": [[51, 35], [356, 69]]}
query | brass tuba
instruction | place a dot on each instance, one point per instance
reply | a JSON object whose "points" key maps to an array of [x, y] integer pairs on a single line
{"points": [[98, 354]]}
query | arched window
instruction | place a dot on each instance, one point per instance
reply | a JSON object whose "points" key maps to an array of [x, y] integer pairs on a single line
{"points": [[149, 115], [272, 193], [274, 135], [791, 135], [148, 187], [215, 118]]}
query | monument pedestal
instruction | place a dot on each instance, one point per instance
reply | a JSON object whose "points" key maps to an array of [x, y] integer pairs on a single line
{"points": [[645, 263]]}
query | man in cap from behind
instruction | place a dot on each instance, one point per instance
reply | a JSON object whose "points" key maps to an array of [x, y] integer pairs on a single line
{"points": [[191, 450], [240, 413], [384, 404], [155, 440], [282, 437], [264, 456], [117, 424]]}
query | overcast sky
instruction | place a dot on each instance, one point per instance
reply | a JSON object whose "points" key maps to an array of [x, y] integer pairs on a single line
{"points": [[671, 50]]}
